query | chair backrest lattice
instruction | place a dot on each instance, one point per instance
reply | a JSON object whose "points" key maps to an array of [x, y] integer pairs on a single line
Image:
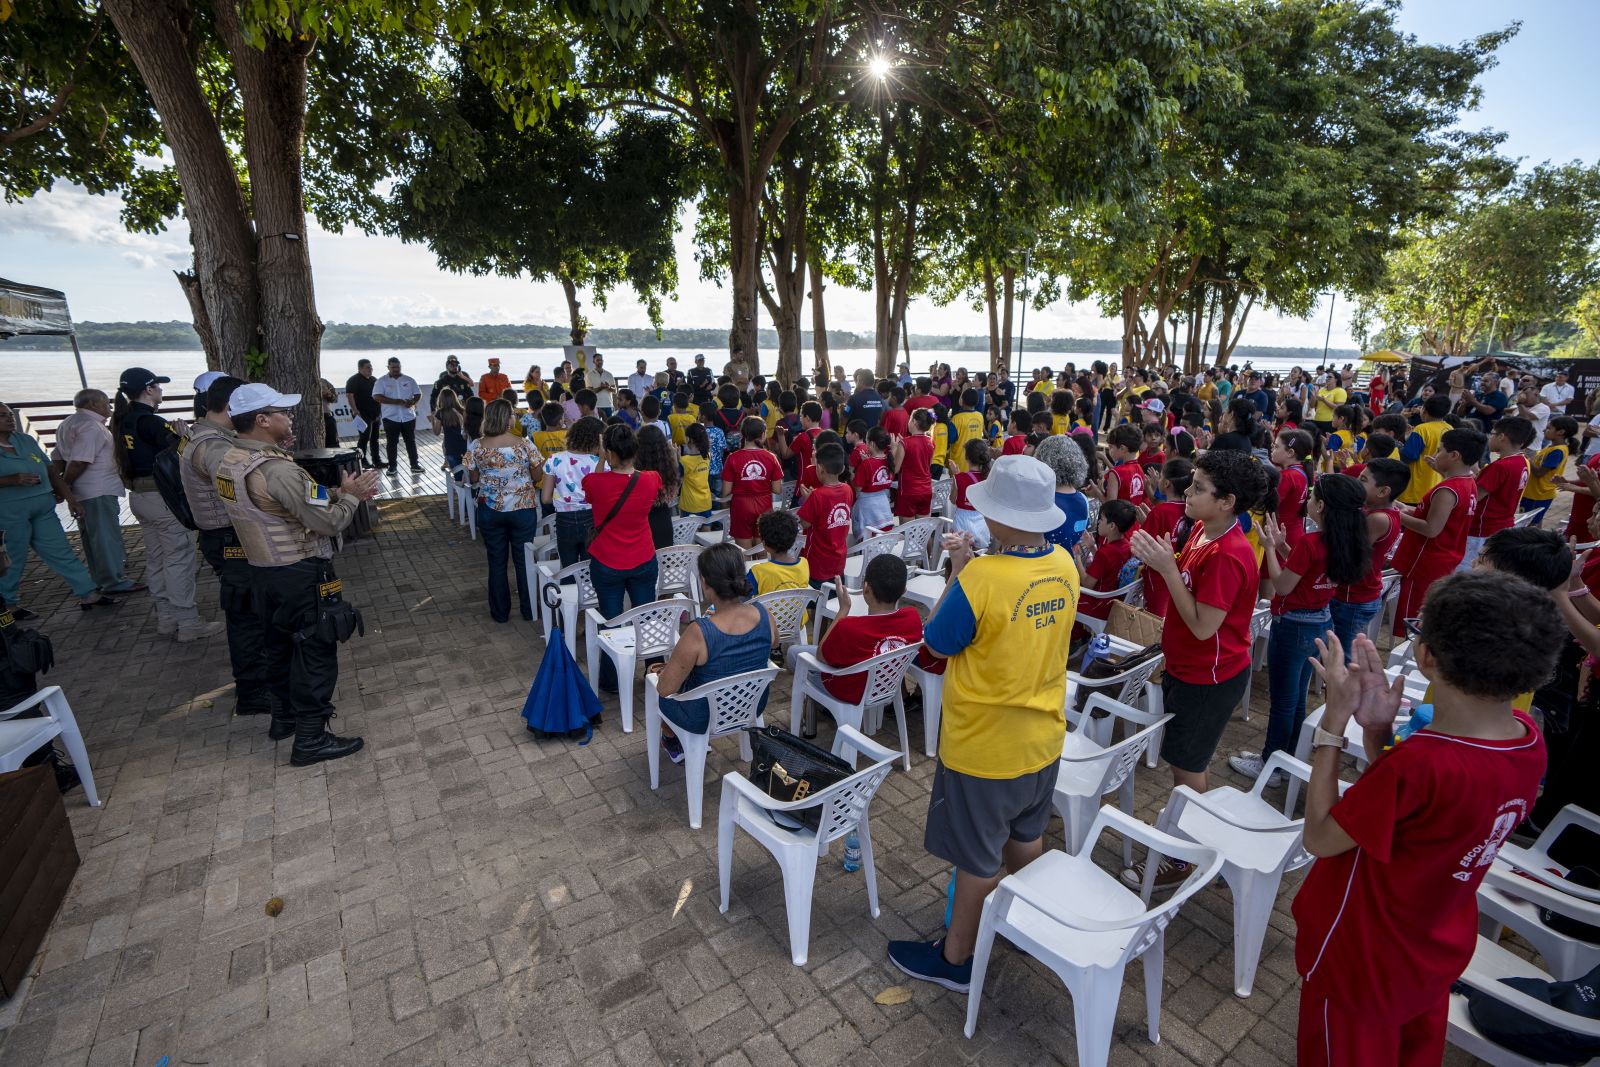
{"points": [[941, 494], [677, 570], [684, 529], [918, 539], [883, 677], [842, 811], [788, 609], [734, 700], [655, 631], [873, 547]]}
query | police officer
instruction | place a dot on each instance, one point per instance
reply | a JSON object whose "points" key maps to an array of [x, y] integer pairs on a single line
{"points": [[200, 454], [138, 435], [284, 521]]}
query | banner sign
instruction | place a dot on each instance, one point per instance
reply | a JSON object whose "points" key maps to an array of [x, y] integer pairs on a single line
{"points": [[29, 309]]}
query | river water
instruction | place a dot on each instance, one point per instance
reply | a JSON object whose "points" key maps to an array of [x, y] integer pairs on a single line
{"points": [[43, 375]]}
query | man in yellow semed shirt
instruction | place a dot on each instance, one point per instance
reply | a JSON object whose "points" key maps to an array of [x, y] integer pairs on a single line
{"points": [[1005, 625]]}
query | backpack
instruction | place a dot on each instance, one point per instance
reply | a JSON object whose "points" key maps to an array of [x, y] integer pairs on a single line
{"points": [[168, 474], [1513, 1029]]}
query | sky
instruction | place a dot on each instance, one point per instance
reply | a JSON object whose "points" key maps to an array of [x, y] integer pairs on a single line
{"points": [[1541, 95]]}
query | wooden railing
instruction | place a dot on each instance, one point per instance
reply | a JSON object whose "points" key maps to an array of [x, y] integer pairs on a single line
{"points": [[41, 417]]}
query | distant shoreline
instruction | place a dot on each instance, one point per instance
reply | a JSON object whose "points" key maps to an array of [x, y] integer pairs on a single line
{"points": [[156, 336]]}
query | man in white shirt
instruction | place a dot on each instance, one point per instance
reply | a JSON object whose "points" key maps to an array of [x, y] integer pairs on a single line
{"points": [[603, 383], [641, 382], [1531, 406], [84, 446], [1558, 394], [398, 395]]}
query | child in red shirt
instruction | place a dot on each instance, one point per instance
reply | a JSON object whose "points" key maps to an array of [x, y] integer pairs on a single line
{"points": [[1164, 519], [896, 419], [1154, 453], [1500, 485], [872, 481], [967, 520], [804, 443], [752, 476], [886, 626], [1016, 433], [1290, 454], [1387, 918], [825, 517], [1125, 479], [1109, 567], [913, 465], [1435, 536]]}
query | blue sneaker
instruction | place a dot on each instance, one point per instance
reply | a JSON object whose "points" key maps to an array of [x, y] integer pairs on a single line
{"points": [[925, 960]]}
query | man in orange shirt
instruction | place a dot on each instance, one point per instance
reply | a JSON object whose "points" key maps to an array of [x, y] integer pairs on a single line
{"points": [[491, 385]]}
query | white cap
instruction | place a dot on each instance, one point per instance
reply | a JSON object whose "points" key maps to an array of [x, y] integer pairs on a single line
{"points": [[258, 397], [1157, 406], [1019, 492], [202, 383]]}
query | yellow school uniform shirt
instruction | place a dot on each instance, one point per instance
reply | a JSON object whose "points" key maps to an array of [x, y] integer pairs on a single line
{"points": [[1060, 424], [968, 426], [771, 575], [770, 414], [679, 421], [1045, 387], [694, 496], [1005, 624], [549, 442], [941, 444], [1545, 472], [1327, 400], [1423, 476]]}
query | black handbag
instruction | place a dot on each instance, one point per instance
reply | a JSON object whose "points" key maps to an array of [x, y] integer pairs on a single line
{"points": [[1514, 1029], [788, 768], [1588, 878], [1110, 667]]}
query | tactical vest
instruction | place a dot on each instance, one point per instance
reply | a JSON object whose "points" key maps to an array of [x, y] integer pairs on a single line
{"points": [[270, 539], [141, 453], [199, 487]]}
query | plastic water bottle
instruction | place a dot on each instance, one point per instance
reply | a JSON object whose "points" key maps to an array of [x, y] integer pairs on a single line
{"points": [[950, 899], [1421, 717], [852, 853], [1099, 648]]}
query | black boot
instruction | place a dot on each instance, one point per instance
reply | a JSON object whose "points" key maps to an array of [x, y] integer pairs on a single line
{"points": [[253, 702], [282, 725], [313, 743]]}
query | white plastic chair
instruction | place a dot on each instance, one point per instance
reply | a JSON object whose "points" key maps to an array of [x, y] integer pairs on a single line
{"points": [[645, 632], [941, 505], [856, 560], [574, 599], [844, 810], [788, 608], [1523, 880], [685, 527], [1126, 593], [20, 738], [921, 541], [932, 685], [1258, 844], [1402, 657], [882, 686], [1388, 590], [1490, 963], [1131, 687], [1090, 769], [1083, 924], [1260, 628], [1302, 749], [1524, 519], [677, 571], [722, 518], [733, 701], [1391, 600]]}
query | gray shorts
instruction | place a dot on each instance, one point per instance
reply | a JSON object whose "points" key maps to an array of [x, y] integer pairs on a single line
{"points": [[971, 819]]}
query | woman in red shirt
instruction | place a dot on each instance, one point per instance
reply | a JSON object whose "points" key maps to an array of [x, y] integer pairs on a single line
{"points": [[622, 555], [1303, 578], [753, 476]]}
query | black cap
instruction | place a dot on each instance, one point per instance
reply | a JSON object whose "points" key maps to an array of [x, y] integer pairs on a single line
{"points": [[136, 380]]}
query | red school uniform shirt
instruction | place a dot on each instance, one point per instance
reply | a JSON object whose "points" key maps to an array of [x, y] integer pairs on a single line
{"points": [[1444, 550], [1162, 520], [751, 472], [1104, 567], [857, 455], [1503, 482], [963, 482], [1388, 925], [1583, 506], [858, 638], [1220, 572], [1308, 559], [827, 513], [1130, 481], [1156, 459], [916, 468], [1016, 445], [915, 402], [873, 475], [624, 541], [1370, 587], [896, 422], [1292, 502], [804, 447]]}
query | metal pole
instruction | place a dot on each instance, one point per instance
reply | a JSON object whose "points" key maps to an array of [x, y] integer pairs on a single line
{"points": [[1333, 301], [83, 381], [1022, 326], [1488, 346]]}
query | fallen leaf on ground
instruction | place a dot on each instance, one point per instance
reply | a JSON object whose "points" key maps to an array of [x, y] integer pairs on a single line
{"points": [[895, 994]]}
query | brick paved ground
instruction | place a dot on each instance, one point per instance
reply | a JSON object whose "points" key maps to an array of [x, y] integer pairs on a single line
{"points": [[461, 893]]}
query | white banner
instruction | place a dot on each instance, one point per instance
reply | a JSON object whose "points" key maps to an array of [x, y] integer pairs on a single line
{"points": [[29, 309]]}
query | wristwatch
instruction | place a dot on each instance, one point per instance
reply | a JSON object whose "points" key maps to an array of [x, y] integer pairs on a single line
{"points": [[1323, 739]]}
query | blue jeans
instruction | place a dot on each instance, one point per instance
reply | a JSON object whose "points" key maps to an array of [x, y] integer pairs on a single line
{"points": [[505, 532], [1348, 620], [1290, 647], [639, 585]]}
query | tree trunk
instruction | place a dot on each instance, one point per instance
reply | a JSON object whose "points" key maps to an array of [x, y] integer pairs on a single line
{"points": [[990, 302], [1008, 286], [272, 82], [580, 329], [819, 319], [1229, 331], [189, 282], [744, 263], [156, 34], [1130, 322]]}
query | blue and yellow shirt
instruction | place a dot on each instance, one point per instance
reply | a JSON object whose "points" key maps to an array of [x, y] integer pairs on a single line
{"points": [[1422, 443], [1006, 626], [1546, 469], [771, 575]]}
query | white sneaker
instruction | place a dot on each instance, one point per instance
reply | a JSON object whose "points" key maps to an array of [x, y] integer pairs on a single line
{"points": [[166, 627], [1248, 764], [197, 630]]}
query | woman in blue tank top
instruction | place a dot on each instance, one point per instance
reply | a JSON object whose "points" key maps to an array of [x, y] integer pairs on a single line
{"points": [[734, 636]]}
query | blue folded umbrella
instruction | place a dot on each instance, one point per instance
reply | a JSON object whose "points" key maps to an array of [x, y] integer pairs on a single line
{"points": [[561, 699]]}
